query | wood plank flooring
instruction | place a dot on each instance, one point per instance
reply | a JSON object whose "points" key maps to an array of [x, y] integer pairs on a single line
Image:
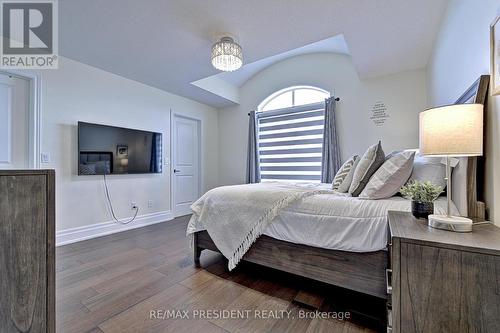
{"points": [[112, 284]]}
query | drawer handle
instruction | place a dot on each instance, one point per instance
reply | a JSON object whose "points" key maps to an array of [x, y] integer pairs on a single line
{"points": [[388, 281]]}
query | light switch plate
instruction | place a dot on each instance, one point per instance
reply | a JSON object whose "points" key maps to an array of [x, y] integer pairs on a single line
{"points": [[45, 158]]}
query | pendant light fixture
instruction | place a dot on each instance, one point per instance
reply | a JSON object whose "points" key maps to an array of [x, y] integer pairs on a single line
{"points": [[227, 55]]}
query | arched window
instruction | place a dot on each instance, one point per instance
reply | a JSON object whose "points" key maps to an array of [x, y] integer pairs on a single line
{"points": [[290, 134], [293, 96]]}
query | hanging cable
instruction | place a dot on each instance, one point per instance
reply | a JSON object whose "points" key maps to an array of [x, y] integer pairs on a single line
{"points": [[111, 205]]}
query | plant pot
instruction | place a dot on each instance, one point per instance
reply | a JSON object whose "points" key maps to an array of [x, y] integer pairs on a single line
{"points": [[422, 209]]}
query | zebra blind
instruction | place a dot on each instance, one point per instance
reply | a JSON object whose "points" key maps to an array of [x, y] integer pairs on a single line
{"points": [[290, 143]]}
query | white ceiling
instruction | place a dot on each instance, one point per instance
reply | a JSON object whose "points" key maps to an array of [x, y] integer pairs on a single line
{"points": [[166, 43], [336, 44], [227, 84]]}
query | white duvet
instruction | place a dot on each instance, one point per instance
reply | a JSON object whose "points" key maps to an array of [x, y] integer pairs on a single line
{"points": [[335, 221]]}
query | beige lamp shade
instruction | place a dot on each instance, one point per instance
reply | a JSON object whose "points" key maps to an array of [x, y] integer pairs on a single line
{"points": [[453, 130]]}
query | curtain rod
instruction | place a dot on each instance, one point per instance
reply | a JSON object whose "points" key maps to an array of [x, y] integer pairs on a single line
{"points": [[336, 99]]}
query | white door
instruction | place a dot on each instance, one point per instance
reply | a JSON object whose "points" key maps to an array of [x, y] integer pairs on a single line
{"points": [[185, 164], [14, 123]]}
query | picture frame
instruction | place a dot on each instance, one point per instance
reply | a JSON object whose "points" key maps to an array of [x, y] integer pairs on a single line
{"points": [[495, 56], [122, 151]]}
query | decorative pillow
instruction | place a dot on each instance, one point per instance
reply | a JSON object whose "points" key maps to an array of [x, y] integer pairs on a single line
{"points": [[429, 168], [395, 152], [389, 178], [87, 169], [343, 178], [102, 167], [373, 158]]}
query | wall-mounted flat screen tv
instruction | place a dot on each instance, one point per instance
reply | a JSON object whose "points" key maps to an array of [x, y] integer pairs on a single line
{"points": [[107, 150]]}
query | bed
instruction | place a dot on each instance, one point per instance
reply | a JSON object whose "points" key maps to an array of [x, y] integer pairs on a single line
{"points": [[341, 240], [330, 237]]}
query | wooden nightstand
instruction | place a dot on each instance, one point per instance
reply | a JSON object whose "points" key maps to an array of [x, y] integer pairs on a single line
{"points": [[442, 281], [27, 251]]}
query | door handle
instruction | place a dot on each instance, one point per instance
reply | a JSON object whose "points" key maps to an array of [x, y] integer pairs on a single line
{"points": [[176, 171]]}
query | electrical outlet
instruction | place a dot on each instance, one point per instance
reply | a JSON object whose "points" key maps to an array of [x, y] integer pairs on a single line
{"points": [[133, 205], [150, 203]]}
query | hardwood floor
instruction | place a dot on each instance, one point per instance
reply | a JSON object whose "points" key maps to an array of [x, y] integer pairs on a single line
{"points": [[133, 281]]}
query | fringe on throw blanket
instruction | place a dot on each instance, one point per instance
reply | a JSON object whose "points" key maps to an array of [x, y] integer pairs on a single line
{"points": [[264, 221]]}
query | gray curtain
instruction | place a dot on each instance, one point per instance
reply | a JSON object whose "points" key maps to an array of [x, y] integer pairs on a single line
{"points": [[331, 150], [253, 167]]}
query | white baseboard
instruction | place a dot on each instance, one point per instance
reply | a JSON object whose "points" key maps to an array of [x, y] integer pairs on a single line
{"points": [[79, 234]]}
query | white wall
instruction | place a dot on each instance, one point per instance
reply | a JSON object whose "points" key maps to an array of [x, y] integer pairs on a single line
{"points": [[404, 94], [78, 92], [461, 54]]}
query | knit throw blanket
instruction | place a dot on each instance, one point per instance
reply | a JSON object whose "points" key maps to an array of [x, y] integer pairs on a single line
{"points": [[235, 216]]}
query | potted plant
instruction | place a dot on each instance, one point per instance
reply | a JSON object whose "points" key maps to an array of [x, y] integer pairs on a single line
{"points": [[422, 196]]}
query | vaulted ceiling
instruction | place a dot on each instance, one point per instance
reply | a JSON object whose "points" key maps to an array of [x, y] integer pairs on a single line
{"points": [[166, 43]]}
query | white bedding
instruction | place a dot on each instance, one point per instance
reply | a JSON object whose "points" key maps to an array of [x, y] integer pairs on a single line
{"points": [[337, 221]]}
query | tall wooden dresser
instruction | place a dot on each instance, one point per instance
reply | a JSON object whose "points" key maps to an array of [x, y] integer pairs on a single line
{"points": [[27, 236], [442, 281]]}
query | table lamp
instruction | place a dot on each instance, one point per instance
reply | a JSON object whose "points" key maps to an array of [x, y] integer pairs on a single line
{"points": [[451, 131]]}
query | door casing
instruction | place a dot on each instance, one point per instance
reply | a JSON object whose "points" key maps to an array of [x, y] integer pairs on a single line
{"points": [[172, 162], [35, 114]]}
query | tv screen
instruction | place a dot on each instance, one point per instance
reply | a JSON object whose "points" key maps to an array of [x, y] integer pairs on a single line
{"points": [[114, 150]]}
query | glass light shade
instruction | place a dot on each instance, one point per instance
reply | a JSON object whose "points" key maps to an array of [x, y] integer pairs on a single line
{"points": [[453, 130], [227, 55]]}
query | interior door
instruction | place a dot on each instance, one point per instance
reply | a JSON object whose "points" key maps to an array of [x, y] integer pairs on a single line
{"points": [[14, 122], [185, 164]]}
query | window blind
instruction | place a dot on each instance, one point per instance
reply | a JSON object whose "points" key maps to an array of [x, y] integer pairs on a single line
{"points": [[290, 143]]}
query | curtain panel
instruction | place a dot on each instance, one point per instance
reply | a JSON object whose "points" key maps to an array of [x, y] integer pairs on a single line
{"points": [[331, 150], [253, 167]]}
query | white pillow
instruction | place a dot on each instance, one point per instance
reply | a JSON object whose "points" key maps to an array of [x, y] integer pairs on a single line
{"points": [[429, 168], [389, 178], [343, 178]]}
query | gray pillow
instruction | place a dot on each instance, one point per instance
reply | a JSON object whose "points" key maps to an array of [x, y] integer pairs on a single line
{"points": [[429, 168], [373, 158], [343, 178], [389, 178]]}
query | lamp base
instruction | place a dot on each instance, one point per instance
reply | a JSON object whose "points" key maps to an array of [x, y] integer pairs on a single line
{"points": [[450, 223]]}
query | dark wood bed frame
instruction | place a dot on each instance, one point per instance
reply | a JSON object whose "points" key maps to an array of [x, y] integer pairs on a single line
{"points": [[362, 272]]}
